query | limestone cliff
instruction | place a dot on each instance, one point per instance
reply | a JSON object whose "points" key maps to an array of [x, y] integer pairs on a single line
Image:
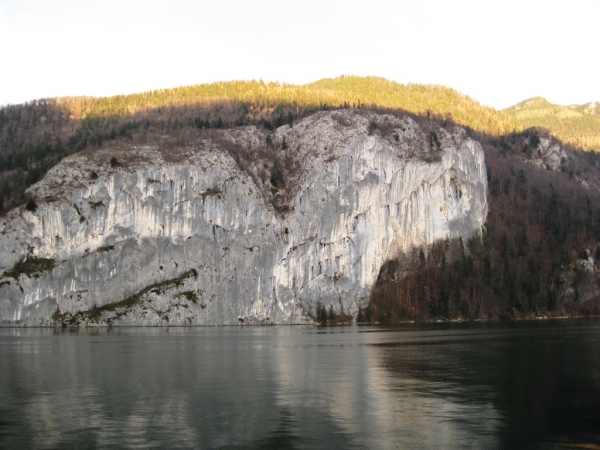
{"points": [[189, 234]]}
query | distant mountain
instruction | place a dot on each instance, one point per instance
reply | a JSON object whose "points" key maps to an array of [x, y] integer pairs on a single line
{"points": [[578, 125], [588, 108]]}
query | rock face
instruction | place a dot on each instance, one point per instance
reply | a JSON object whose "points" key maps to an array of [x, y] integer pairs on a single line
{"points": [[185, 235], [549, 155]]}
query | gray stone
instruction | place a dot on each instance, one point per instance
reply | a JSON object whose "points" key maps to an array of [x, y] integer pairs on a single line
{"points": [[184, 236]]}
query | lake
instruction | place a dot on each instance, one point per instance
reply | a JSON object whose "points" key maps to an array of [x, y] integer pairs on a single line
{"points": [[470, 385]]}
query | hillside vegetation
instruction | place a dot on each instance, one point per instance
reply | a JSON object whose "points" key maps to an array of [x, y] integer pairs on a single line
{"points": [[531, 259], [578, 125], [333, 92], [34, 136], [542, 226]]}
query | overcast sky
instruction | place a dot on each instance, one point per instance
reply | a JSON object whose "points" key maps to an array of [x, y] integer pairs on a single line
{"points": [[498, 52]]}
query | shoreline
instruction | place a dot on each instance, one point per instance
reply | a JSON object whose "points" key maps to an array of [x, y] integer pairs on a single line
{"points": [[316, 325]]}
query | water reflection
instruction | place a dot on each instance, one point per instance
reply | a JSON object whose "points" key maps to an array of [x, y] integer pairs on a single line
{"points": [[442, 386]]}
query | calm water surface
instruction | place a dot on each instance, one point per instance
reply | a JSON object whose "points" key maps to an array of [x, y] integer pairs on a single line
{"points": [[494, 385]]}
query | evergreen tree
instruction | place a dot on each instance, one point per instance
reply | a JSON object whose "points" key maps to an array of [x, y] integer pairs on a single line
{"points": [[321, 314]]}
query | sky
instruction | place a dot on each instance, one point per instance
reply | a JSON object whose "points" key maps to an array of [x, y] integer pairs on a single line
{"points": [[497, 52]]}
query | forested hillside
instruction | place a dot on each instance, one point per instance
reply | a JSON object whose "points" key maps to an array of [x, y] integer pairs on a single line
{"points": [[338, 92], [36, 135], [536, 254], [578, 125]]}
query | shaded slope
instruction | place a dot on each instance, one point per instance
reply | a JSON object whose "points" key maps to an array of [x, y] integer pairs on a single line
{"points": [[538, 254]]}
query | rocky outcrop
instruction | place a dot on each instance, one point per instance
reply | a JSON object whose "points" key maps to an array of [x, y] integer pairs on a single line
{"points": [[549, 155], [190, 234]]}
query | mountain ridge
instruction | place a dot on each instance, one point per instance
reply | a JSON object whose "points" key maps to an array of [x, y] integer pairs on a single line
{"points": [[578, 125], [333, 92]]}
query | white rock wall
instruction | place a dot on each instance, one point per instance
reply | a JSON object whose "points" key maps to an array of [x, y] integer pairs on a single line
{"points": [[198, 241]]}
